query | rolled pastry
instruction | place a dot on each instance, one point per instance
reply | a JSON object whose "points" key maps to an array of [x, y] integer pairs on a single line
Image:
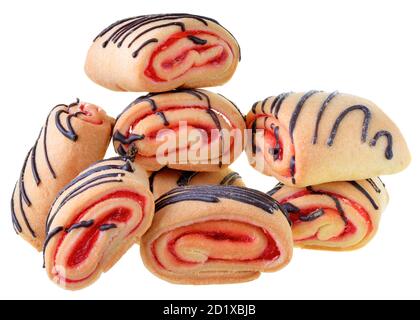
{"points": [[316, 137], [161, 52], [216, 234], [73, 137], [334, 216], [167, 179], [186, 129], [95, 220]]}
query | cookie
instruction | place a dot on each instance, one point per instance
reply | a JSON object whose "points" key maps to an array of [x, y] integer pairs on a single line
{"points": [[95, 220], [186, 129], [334, 216], [73, 137], [167, 179], [216, 234], [316, 137], [161, 52]]}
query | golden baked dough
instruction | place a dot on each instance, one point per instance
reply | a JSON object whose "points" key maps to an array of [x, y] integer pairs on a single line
{"points": [[167, 179], [74, 136], [316, 137], [95, 220], [216, 234], [161, 52], [207, 129], [334, 216]]}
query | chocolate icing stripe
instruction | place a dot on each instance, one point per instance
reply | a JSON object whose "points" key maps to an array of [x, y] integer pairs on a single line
{"points": [[185, 178], [49, 237], [152, 178], [321, 113], [34, 167], [277, 148], [16, 224], [144, 44], [197, 40], [374, 185], [22, 189], [337, 202], [290, 208], [278, 187], [74, 194], [108, 226], [139, 21], [47, 159], [388, 151], [277, 103], [163, 117], [81, 224], [312, 216], [365, 193], [264, 102], [295, 115], [254, 107], [179, 24], [340, 118], [230, 179], [210, 193], [253, 133], [118, 136], [68, 133]]}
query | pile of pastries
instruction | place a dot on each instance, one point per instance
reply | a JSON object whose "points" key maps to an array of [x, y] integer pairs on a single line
{"points": [[195, 220]]}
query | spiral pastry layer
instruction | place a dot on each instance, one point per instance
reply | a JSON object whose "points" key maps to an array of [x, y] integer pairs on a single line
{"points": [[216, 234], [334, 216], [161, 52], [95, 220], [185, 129], [310, 138], [167, 179], [73, 137]]}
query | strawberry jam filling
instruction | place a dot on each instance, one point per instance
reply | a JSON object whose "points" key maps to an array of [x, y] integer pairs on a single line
{"points": [[350, 227], [82, 249], [270, 252], [218, 59], [90, 114]]}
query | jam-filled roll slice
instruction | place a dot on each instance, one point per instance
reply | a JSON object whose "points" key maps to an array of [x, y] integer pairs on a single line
{"points": [[73, 137], [184, 129], [334, 216], [161, 52], [167, 179], [216, 234], [95, 220], [310, 138]]}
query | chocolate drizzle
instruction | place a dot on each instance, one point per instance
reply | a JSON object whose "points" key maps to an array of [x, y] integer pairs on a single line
{"points": [[152, 178], [365, 126], [321, 113], [312, 216], [185, 178], [298, 109], [230, 179], [16, 224], [68, 133], [47, 159], [388, 151], [336, 202], [81, 224], [374, 185], [276, 151], [127, 27], [118, 136], [111, 177], [163, 117], [289, 207], [213, 194], [107, 226], [277, 188], [33, 161], [49, 237], [365, 193], [127, 140], [197, 40], [277, 103]]}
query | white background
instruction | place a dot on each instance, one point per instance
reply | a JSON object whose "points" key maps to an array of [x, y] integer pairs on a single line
{"points": [[367, 48]]}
